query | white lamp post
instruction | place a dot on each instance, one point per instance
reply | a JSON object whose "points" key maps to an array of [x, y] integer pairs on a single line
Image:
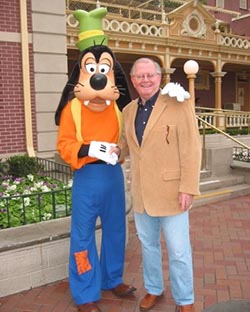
{"points": [[191, 68]]}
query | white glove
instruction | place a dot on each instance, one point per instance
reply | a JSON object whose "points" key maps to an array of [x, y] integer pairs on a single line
{"points": [[101, 150], [175, 89]]}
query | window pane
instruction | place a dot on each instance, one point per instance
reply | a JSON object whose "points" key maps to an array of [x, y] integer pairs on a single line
{"points": [[220, 3], [243, 4]]}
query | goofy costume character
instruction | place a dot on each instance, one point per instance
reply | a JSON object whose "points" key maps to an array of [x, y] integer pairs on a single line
{"points": [[89, 119]]}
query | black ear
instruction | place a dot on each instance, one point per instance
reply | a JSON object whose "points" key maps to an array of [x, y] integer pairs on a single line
{"points": [[122, 85], [67, 93]]}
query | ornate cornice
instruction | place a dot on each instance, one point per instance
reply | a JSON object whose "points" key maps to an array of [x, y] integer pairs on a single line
{"points": [[193, 37]]}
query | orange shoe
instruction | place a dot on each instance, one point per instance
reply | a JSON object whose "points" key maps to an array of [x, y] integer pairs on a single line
{"points": [[89, 307], [185, 308], [123, 290], [149, 301]]}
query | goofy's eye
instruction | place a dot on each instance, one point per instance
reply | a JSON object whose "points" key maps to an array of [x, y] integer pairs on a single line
{"points": [[90, 68], [103, 68]]}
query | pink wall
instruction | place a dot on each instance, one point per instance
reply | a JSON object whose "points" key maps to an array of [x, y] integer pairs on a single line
{"points": [[239, 27], [12, 125]]}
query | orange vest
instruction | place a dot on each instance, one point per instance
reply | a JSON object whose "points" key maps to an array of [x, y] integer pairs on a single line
{"points": [[79, 125]]}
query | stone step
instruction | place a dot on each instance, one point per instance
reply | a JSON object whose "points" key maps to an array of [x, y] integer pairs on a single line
{"points": [[205, 174], [222, 193], [218, 140], [214, 183]]}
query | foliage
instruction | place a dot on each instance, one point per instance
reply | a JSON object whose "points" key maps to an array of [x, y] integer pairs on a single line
{"points": [[22, 165], [32, 199], [3, 168], [241, 154], [208, 131], [174, 4], [237, 131], [230, 131], [171, 4]]}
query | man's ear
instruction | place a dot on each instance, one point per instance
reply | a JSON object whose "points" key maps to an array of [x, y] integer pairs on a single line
{"points": [[122, 84], [68, 92]]}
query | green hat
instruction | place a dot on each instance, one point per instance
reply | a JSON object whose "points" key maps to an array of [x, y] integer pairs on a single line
{"points": [[90, 28]]}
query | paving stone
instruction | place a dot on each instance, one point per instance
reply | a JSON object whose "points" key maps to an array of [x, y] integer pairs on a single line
{"points": [[221, 251], [230, 306]]}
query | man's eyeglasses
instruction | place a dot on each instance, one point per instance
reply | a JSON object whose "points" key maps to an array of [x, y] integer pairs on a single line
{"points": [[144, 76]]}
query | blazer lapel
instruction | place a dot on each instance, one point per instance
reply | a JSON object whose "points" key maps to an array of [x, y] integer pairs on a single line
{"points": [[131, 122]]}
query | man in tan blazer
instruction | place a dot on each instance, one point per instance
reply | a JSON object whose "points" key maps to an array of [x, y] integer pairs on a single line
{"points": [[162, 138]]}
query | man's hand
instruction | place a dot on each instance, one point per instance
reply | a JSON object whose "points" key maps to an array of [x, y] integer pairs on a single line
{"points": [[115, 149], [102, 151], [185, 201]]}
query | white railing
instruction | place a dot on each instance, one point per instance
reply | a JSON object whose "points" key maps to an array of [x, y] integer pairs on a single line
{"points": [[209, 118], [233, 41], [225, 118], [133, 27], [237, 120]]}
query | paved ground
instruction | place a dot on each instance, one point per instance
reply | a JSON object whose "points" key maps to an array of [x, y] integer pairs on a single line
{"points": [[220, 234]]}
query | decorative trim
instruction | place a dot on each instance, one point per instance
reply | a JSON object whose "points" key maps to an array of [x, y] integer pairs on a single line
{"points": [[194, 26]]}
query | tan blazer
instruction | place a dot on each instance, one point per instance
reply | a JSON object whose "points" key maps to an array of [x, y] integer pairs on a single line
{"points": [[168, 161]]}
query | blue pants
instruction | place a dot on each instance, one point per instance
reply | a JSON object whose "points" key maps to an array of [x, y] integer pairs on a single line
{"points": [[176, 232], [98, 191]]}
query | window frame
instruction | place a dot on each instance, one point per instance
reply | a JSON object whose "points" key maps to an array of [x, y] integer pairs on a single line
{"points": [[220, 4], [243, 4]]}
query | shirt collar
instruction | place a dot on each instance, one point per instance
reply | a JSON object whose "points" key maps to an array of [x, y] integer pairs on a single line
{"points": [[149, 102]]}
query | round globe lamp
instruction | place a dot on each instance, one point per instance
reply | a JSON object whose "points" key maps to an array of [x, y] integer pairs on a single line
{"points": [[191, 68]]}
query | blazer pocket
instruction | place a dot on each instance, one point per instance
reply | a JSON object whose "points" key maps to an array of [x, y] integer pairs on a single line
{"points": [[170, 134], [167, 132], [171, 175]]}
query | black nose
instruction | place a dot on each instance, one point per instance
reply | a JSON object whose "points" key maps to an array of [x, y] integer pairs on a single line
{"points": [[98, 81]]}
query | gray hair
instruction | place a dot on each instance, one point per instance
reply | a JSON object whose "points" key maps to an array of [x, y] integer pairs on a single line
{"points": [[145, 60]]}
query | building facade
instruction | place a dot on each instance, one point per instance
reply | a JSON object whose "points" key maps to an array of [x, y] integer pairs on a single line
{"points": [[235, 13], [37, 48]]}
